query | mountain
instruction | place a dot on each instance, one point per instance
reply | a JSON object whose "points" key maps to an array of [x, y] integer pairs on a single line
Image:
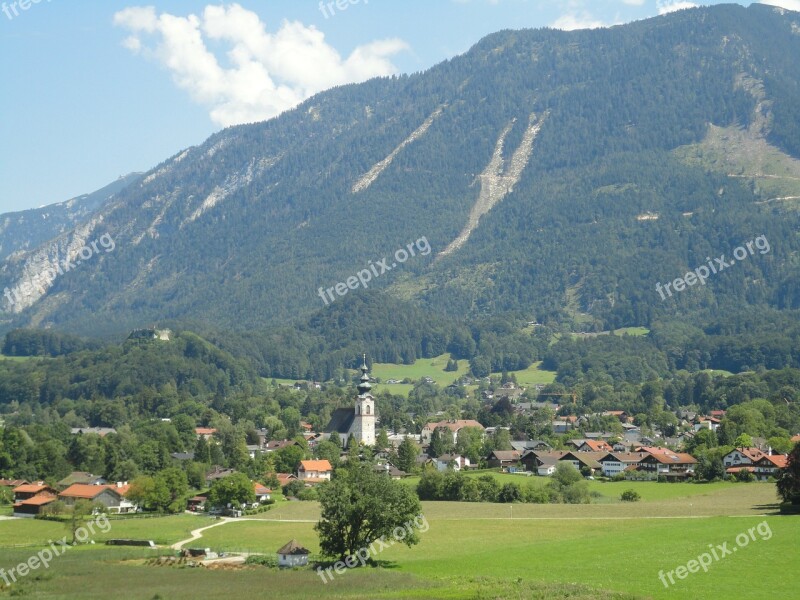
{"points": [[559, 176], [25, 230]]}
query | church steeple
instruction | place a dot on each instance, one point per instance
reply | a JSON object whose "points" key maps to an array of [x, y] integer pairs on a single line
{"points": [[364, 387], [364, 418]]}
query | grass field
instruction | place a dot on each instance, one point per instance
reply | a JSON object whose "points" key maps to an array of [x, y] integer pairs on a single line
{"points": [[614, 550]]}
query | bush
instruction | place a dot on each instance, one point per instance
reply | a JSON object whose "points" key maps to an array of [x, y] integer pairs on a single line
{"points": [[630, 496]]}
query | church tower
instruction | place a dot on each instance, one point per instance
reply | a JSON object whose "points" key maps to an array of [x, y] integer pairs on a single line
{"points": [[364, 418]]}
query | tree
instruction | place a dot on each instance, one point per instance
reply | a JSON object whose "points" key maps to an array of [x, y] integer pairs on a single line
{"points": [[407, 454], [438, 445], [382, 439], [80, 510], [328, 451], [233, 490], [359, 507], [172, 485], [288, 459], [743, 440], [510, 492], [789, 480]]}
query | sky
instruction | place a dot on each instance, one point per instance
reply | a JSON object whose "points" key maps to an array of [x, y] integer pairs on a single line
{"points": [[96, 89]]}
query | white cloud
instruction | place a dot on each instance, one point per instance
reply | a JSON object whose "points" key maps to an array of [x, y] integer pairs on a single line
{"points": [[264, 73], [577, 20], [633, 2], [787, 4], [668, 6]]}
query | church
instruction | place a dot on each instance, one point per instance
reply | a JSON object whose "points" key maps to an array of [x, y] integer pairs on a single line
{"points": [[358, 421]]}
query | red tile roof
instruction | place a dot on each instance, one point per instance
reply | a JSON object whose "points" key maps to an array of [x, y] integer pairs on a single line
{"points": [[31, 488], [37, 500], [205, 430], [89, 492], [315, 465], [597, 445]]}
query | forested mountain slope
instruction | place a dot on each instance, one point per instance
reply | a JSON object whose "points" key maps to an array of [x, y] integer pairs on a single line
{"points": [[556, 175]]}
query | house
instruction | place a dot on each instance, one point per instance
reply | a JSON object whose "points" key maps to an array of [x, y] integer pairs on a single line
{"points": [[314, 471], [218, 473], [279, 445], [523, 446], [742, 456], [32, 506], [580, 460], [101, 431], [542, 462], [454, 461], [263, 493], [389, 470], [671, 465], [292, 554], [503, 458], [359, 421], [453, 426], [29, 490], [618, 414], [711, 423], [614, 463], [204, 432], [770, 466], [182, 456], [253, 450], [80, 477], [594, 446], [285, 478], [196, 503], [12, 483], [106, 495]]}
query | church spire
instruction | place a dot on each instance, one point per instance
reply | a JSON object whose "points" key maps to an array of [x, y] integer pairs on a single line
{"points": [[364, 387]]}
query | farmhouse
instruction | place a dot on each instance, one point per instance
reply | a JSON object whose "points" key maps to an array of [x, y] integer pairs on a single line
{"points": [[359, 421], [542, 462], [579, 460], [742, 456]]}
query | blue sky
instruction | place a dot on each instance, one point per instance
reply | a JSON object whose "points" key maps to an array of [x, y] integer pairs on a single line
{"points": [[94, 89]]}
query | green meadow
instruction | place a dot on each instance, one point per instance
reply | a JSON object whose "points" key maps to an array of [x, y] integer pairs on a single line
{"points": [[606, 550]]}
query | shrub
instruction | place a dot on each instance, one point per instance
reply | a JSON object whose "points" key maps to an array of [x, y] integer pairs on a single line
{"points": [[630, 496]]}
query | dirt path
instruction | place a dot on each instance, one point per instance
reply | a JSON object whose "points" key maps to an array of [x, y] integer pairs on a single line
{"points": [[198, 533]]}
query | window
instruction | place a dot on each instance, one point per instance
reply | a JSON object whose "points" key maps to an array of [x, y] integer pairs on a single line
{"points": [[367, 408]]}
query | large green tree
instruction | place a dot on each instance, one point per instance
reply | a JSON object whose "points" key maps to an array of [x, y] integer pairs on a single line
{"points": [[360, 506], [789, 481], [236, 489]]}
